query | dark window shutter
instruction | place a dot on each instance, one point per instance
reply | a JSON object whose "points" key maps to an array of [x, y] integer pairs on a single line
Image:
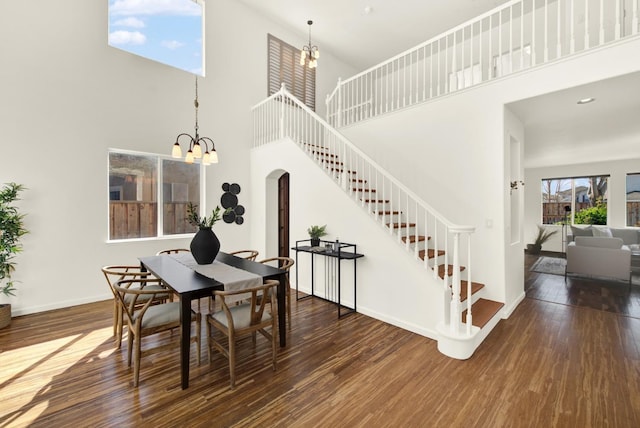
{"points": [[284, 66]]}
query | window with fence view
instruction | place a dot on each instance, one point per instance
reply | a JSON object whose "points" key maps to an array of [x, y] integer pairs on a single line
{"points": [[136, 191], [633, 199], [576, 200]]}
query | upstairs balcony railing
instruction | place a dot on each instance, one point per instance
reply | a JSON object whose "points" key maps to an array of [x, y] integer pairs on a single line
{"points": [[406, 217], [515, 36]]}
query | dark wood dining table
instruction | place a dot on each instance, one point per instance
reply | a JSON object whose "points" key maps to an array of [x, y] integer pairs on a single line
{"points": [[190, 285]]}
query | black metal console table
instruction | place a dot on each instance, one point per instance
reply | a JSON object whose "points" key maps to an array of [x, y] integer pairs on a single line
{"points": [[335, 252]]}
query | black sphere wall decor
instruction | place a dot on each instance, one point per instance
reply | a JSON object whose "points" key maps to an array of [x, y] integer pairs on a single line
{"points": [[229, 199]]}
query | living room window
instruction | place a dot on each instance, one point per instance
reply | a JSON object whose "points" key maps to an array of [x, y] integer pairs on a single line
{"points": [[284, 66], [633, 199], [170, 32], [576, 200], [139, 184]]}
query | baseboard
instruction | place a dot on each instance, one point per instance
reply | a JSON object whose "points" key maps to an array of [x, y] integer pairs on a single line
{"points": [[59, 305], [508, 310]]}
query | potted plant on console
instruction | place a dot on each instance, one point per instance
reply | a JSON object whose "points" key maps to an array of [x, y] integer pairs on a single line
{"points": [[542, 237], [11, 229], [315, 233], [205, 244]]}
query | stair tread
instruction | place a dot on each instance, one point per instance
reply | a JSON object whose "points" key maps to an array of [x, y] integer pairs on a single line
{"points": [[340, 170], [448, 268], [399, 225], [475, 287], [483, 310], [382, 201], [360, 189], [389, 212], [412, 238], [325, 153], [430, 253]]}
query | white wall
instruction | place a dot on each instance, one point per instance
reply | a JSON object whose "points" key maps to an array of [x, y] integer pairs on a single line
{"points": [[451, 152], [391, 285], [67, 98]]}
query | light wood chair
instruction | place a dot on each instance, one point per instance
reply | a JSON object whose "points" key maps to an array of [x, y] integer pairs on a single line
{"points": [[246, 254], [246, 318], [173, 251], [144, 318], [284, 263], [115, 273]]}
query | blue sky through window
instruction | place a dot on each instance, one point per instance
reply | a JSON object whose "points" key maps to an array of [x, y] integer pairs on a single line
{"points": [[167, 31]]}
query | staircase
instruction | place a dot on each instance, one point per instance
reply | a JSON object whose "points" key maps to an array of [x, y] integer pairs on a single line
{"points": [[441, 247]]}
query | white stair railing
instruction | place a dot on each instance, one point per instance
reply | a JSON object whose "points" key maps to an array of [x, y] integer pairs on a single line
{"points": [[517, 35], [407, 218]]}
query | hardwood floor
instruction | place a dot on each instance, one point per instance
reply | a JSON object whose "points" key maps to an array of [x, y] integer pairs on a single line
{"points": [[603, 294], [547, 365]]}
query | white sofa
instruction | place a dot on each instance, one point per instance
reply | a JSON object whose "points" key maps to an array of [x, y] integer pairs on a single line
{"points": [[599, 256]]}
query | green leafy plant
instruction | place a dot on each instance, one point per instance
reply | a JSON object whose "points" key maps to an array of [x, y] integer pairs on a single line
{"points": [[316, 232], [543, 236], [592, 215], [11, 229], [204, 222]]}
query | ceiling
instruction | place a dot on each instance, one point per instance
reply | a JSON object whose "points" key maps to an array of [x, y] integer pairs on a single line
{"points": [[363, 33], [558, 130]]}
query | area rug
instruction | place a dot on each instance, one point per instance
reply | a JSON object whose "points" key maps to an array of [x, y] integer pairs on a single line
{"points": [[551, 265]]}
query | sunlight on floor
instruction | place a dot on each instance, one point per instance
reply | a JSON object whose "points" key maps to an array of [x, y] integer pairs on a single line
{"points": [[40, 364]]}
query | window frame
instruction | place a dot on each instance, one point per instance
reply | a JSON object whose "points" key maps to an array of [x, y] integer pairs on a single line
{"points": [[628, 209], [159, 159], [572, 202]]}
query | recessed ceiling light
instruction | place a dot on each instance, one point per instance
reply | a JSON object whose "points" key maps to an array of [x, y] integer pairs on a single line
{"points": [[586, 100]]}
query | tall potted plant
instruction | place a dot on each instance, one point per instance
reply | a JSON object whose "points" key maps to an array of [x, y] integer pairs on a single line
{"points": [[11, 229], [542, 237]]}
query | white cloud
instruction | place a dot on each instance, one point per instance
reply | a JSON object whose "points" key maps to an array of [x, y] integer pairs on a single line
{"points": [[171, 44], [129, 22], [127, 38], [154, 7]]}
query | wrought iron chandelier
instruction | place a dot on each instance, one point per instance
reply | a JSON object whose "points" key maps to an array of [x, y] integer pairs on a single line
{"points": [[309, 53], [195, 144]]}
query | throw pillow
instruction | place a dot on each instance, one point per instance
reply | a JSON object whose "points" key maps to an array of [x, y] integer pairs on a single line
{"points": [[581, 231], [602, 231]]}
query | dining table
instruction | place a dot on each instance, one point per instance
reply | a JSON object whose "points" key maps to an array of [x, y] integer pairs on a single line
{"points": [[191, 281]]}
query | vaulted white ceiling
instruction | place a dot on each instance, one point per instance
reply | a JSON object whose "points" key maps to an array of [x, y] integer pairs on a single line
{"points": [[363, 33]]}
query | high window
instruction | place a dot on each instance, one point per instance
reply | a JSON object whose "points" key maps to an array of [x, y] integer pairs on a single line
{"points": [[578, 200], [139, 184], [633, 199], [168, 31], [284, 67]]}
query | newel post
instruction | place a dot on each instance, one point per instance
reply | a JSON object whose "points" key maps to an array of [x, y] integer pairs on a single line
{"points": [[455, 285]]}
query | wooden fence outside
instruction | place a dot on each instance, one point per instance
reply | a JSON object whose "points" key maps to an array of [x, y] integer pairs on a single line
{"points": [[553, 212], [139, 219]]}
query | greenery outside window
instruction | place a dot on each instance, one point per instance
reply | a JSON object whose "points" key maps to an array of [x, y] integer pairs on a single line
{"points": [[139, 184], [576, 200], [633, 200]]}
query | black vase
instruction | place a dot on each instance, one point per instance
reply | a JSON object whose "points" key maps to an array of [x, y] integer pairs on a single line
{"points": [[205, 246], [315, 242]]}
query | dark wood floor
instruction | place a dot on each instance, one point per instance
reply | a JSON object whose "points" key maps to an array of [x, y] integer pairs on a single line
{"points": [[548, 365], [596, 293]]}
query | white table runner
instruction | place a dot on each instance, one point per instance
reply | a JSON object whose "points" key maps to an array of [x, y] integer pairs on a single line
{"points": [[232, 278]]}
